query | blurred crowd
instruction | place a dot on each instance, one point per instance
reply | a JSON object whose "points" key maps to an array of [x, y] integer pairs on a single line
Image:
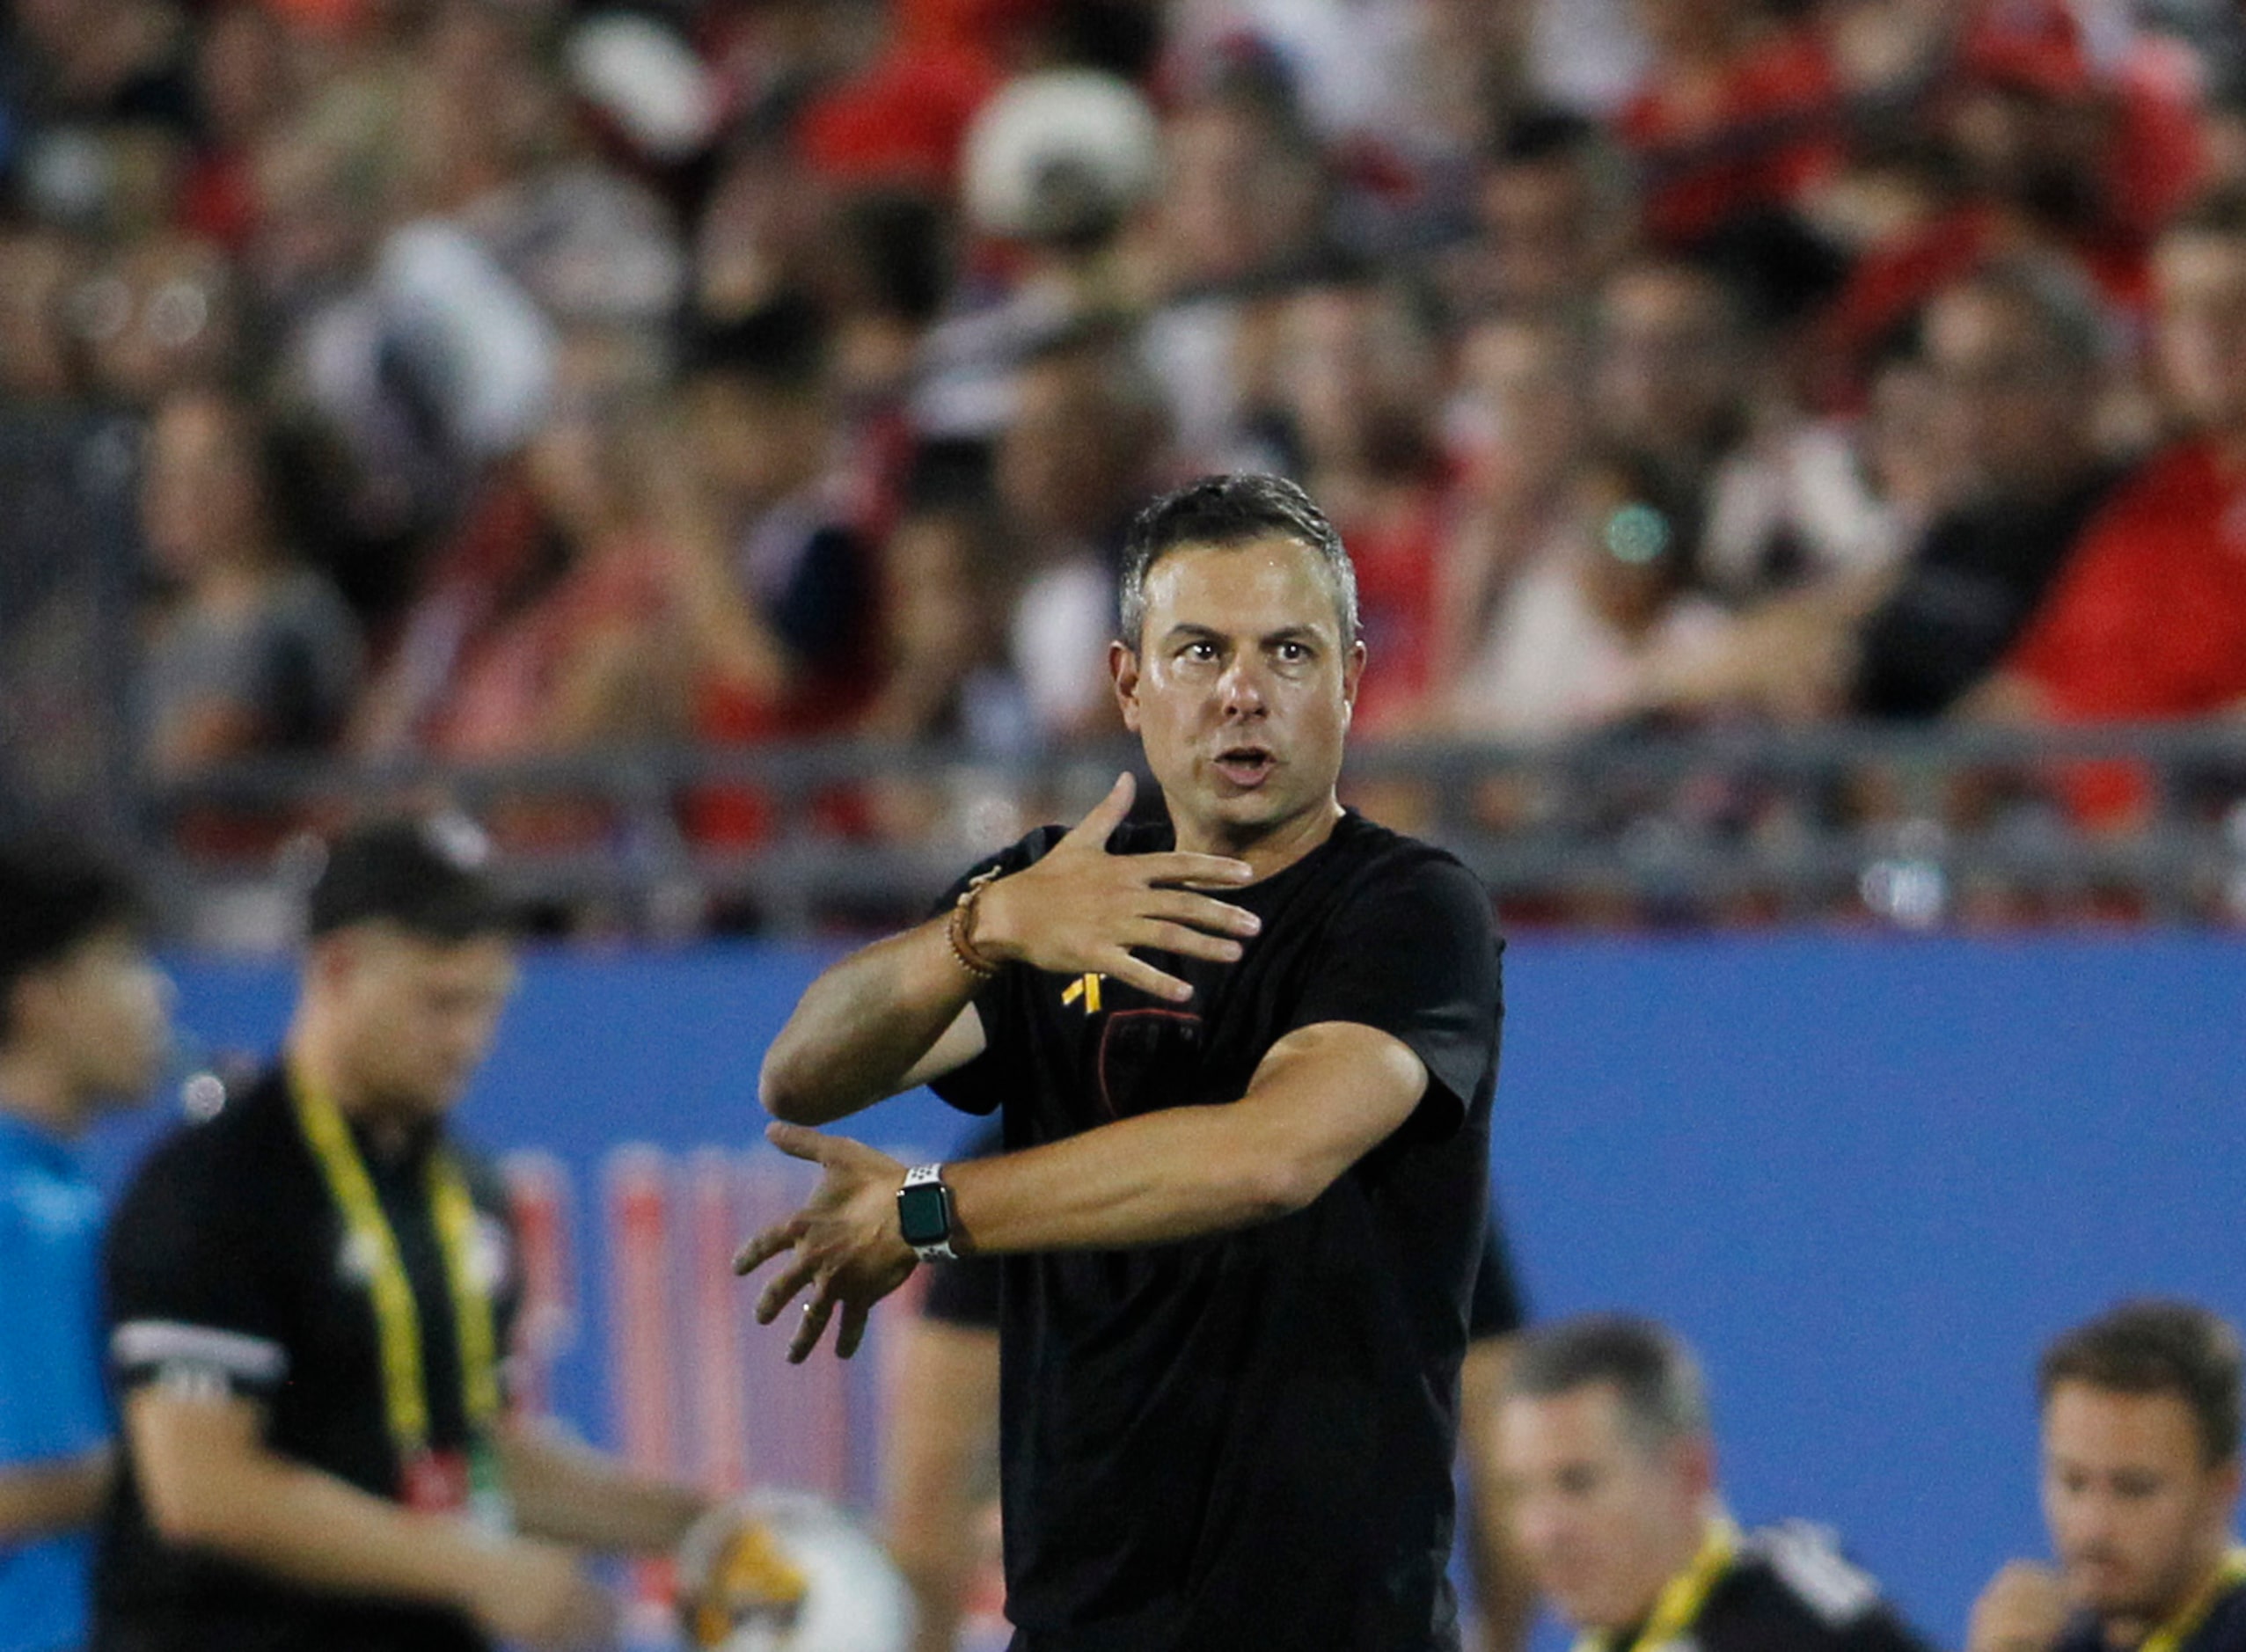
{"points": [[521, 377]]}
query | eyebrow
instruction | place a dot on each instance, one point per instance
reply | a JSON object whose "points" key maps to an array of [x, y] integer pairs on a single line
{"points": [[1187, 631]]}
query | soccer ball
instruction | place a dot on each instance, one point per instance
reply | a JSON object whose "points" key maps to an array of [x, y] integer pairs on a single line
{"points": [[786, 1571]]}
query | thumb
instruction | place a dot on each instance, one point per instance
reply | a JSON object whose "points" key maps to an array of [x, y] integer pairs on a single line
{"points": [[1108, 814], [797, 1142]]}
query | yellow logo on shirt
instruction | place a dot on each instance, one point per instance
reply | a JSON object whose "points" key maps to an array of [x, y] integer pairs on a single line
{"points": [[1088, 988]]}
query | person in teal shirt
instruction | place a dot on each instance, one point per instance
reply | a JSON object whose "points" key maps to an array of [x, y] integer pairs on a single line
{"points": [[83, 1028]]}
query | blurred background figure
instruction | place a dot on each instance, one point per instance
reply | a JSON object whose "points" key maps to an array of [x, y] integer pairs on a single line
{"points": [[82, 1031], [2141, 1480], [1078, 455], [718, 285], [1604, 1438], [249, 650]]}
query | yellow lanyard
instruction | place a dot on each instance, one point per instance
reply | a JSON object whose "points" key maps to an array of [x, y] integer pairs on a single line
{"points": [[2185, 1624], [398, 1321], [1681, 1598]]}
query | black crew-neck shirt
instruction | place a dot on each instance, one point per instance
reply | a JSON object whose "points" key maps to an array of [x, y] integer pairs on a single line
{"points": [[1246, 1439], [229, 1268]]}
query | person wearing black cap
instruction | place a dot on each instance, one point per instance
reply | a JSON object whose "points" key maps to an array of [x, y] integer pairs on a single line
{"points": [[309, 1296]]}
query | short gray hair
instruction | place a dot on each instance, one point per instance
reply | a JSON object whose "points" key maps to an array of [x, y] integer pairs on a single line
{"points": [[1236, 509], [1653, 1373]]}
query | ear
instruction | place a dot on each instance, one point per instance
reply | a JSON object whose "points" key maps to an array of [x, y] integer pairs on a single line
{"points": [[1122, 668], [2225, 1483], [329, 961], [1352, 675], [1695, 1463], [30, 1004]]}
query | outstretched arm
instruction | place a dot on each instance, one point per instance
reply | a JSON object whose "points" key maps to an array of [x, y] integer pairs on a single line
{"points": [[569, 1493], [212, 1484], [898, 1014], [60, 1495], [1323, 1097]]}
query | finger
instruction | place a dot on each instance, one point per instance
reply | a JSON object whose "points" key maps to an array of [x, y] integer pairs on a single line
{"points": [[816, 1313], [1219, 917], [783, 1287], [1179, 867], [767, 1245], [852, 1332], [1108, 814], [1187, 943], [1137, 972], [797, 1142]]}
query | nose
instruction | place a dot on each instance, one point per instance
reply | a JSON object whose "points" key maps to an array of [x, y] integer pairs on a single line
{"points": [[1242, 689]]}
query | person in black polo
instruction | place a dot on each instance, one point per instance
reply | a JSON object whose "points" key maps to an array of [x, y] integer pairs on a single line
{"points": [[1603, 1435], [1245, 1056], [309, 1299], [2141, 1480]]}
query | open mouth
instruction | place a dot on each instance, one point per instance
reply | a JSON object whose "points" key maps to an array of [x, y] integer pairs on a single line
{"points": [[1246, 766]]}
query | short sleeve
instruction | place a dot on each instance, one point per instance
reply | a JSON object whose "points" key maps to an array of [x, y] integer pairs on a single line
{"points": [[1496, 1309], [1415, 954], [190, 1303], [980, 1085], [51, 1404]]}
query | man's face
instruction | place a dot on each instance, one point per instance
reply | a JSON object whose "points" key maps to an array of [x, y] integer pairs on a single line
{"points": [[2200, 283], [418, 1014], [2009, 406], [1603, 1519], [1542, 221], [2136, 1512], [1669, 363], [104, 1009], [1242, 687]]}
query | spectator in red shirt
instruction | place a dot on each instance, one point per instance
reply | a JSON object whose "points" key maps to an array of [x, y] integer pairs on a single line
{"points": [[2148, 620], [1358, 390], [1740, 113]]}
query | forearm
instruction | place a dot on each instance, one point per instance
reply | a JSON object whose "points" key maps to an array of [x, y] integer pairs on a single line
{"points": [[859, 1032], [571, 1494], [939, 1463], [1145, 1180], [307, 1527], [1322, 1098], [1504, 1594], [38, 1500]]}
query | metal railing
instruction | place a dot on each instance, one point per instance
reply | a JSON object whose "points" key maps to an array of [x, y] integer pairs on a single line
{"points": [[1917, 828]]}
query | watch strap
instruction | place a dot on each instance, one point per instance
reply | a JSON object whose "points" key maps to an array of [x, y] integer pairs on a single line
{"points": [[938, 1249]]}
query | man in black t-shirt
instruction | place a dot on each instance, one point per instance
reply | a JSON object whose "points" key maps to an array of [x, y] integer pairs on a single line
{"points": [[309, 1296], [939, 1440], [1604, 1437], [1247, 1138], [2140, 1482]]}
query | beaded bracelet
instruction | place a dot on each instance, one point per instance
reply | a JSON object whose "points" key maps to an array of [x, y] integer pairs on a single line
{"points": [[962, 920]]}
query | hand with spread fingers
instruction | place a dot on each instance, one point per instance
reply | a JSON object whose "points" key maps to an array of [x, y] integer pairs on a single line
{"points": [[843, 1243], [1081, 911]]}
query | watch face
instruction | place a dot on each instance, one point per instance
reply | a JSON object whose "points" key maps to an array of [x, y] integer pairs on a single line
{"points": [[924, 1214]]}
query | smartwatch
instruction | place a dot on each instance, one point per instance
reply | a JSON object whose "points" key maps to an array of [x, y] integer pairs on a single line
{"points": [[924, 1214]]}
